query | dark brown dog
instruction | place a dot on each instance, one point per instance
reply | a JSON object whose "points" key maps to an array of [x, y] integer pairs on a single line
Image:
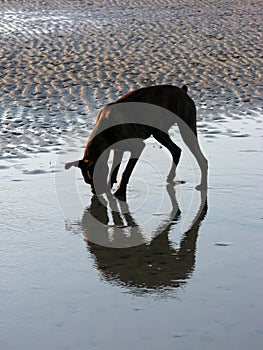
{"points": [[125, 123]]}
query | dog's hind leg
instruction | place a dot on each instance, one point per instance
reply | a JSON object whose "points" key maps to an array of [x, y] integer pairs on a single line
{"points": [[175, 151], [191, 141]]}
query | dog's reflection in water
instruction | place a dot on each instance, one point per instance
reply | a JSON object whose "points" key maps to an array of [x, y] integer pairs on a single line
{"points": [[146, 266]]}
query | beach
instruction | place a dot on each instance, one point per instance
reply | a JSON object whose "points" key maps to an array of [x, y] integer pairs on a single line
{"points": [[186, 269], [61, 63]]}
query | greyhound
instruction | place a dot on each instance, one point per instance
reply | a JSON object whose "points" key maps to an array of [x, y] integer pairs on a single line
{"points": [[123, 125]]}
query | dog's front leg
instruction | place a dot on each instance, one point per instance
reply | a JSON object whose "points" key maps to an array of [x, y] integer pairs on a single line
{"points": [[136, 149], [122, 188], [117, 158], [100, 175]]}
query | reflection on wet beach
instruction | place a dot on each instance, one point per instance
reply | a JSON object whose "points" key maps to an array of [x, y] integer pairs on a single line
{"points": [[154, 266]]}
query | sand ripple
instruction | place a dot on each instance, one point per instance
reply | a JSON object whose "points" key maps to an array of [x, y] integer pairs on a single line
{"points": [[62, 60]]}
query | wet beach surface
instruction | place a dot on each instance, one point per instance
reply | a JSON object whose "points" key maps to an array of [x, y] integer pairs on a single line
{"points": [[196, 281]]}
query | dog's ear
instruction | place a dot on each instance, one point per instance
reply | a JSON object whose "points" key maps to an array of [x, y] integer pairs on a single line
{"points": [[185, 88], [90, 167], [76, 163], [87, 168]]}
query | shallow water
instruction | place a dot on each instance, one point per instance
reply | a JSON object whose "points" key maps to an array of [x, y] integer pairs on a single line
{"points": [[201, 288], [195, 281]]}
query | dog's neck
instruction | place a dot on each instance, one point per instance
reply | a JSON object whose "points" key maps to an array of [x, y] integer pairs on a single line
{"points": [[95, 147]]}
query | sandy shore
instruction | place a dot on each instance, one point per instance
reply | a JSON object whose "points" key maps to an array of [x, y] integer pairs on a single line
{"points": [[60, 63]]}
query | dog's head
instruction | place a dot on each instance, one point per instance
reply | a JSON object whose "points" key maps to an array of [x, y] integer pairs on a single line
{"points": [[87, 169]]}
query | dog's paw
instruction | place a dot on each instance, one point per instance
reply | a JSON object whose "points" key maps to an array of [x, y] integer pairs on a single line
{"points": [[121, 195]]}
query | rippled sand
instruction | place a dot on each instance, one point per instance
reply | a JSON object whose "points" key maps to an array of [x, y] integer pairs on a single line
{"points": [[60, 62]]}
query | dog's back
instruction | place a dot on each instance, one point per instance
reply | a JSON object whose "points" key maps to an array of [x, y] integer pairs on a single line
{"points": [[170, 97]]}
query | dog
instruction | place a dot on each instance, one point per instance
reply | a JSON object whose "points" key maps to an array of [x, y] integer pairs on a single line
{"points": [[123, 125]]}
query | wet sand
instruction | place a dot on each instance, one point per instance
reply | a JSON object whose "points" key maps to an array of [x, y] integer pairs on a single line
{"points": [[61, 63], [195, 282], [199, 288]]}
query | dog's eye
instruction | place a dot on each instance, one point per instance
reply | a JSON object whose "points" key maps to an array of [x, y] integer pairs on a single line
{"points": [[89, 174]]}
